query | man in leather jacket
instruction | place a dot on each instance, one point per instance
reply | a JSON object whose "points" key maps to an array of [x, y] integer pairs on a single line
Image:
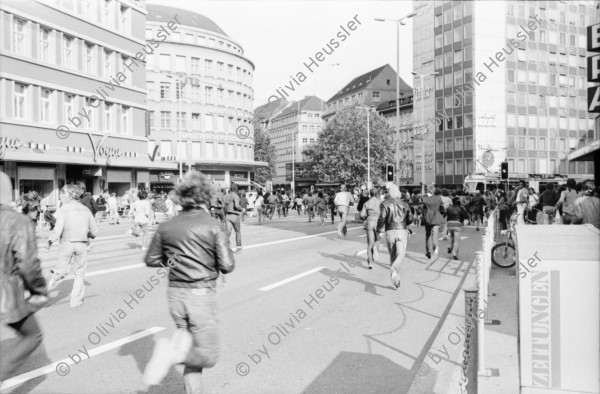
{"points": [[193, 249], [395, 217], [19, 271]]}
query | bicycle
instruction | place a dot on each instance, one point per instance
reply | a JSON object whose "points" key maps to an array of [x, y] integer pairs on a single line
{"points": [[503, 253]]}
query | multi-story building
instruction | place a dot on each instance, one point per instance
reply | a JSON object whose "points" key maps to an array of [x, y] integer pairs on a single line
{"points": [[524, 67], [264, 114], [404, 138], [369, 89], [73, 95], [200, 99], [292, 129]]}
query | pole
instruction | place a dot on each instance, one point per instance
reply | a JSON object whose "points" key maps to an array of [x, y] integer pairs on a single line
{"points": [[548, 140], [179, 127], [422, 141], [397, 102], [368, 152]]}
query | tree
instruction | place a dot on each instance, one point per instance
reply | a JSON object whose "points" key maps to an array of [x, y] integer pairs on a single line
{"points": [[263, 151], [340, 152]]}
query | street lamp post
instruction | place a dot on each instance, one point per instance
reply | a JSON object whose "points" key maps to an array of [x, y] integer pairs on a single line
{"points": [[401, 21], [369, 185], [424, 136]]}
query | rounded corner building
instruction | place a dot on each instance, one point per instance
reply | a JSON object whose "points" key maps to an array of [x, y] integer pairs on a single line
{"points": [[200, 96]]}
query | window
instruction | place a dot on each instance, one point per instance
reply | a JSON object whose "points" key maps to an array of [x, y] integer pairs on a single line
{"points": [[165, 148], [469, 166], [208, 68], [19, 36], [458, 56], [230, 72], [220, 70], [195, 63], [468, 143], [220, 96], [208, 119], [195, 121], [521, 143], [124, 120], [196, 93], [458, 170], [108, 117], [45, 47], [68, 52], [165, 90], [189, 38], [196, 150], [69, 106], [458, 34], [165, 62], [208, 95], [165, 120], [108, 15], [45, 105], [458, 124], [220, 123], [542, 145], [124, 19], [210, 150], [439, 168], [376, 98], [181, 123], [521, 54], [88, 10], [179, 86], [449, 170], [88, 61], [449, 147], [532, 165], [180, 64], [220, 150], [531, 145], [107, 64]]}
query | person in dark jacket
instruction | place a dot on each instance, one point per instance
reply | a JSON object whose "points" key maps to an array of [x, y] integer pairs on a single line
{"points": [[395, 217], [193, 250], [243, 204], [475, 207], [20, 271], [87, 200], [456, 215], [548, 201], [231, 202], [434, 211], [31, 206], [216, 205]]}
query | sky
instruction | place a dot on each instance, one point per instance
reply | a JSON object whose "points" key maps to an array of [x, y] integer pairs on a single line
{"points": [[279, 36]]}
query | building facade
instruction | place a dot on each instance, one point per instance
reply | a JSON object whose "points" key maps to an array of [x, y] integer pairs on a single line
{"points": [[405, 143], [369, 89], [291, 130], [200, 99], [511, 85], [73, 85]]}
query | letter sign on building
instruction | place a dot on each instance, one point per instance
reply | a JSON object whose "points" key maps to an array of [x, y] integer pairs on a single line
{"points": [[593, 63]]}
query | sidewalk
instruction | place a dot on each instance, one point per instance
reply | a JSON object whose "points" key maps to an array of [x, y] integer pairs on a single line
{"points": [[501, 346]]}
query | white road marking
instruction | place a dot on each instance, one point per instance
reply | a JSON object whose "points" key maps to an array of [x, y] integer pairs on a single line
{"points": [[288, 280], [128, 267], [281, 241], [464, 237], [360, 252], [17, 380], [361, 236]]}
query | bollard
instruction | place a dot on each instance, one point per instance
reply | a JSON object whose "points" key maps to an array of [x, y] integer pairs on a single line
{"points": [[469, 366]]}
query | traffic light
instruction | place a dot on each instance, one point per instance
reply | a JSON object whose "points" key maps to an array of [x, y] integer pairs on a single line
{"points": [[504, 170], [389, 173]]}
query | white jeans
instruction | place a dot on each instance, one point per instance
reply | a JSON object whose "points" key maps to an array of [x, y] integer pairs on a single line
{"points": [[521, 213]]}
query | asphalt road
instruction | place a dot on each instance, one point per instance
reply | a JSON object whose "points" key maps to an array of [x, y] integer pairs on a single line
{"points": [[301, 313]]}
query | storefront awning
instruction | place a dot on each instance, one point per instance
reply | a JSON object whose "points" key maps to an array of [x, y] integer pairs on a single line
{"points": [[586, 153]]}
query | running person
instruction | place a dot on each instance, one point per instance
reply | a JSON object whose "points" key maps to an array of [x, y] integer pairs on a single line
{"points": [[370, 212], [342, 203]]}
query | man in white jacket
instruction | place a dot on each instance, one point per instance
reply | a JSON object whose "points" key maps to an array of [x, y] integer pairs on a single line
{"points": [[342, 202]]}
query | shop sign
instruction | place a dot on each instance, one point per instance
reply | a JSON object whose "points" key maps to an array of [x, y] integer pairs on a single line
{"points": [[9, 143], [238, 176], [214, 175], [166, 175], [102, 151], [92, 172]]}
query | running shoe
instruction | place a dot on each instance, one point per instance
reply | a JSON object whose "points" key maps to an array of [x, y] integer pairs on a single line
{"points": [[370, 265], [436, 251], [395, 278]]}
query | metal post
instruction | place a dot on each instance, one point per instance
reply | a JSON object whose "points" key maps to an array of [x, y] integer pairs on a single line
{"points": [[179, 127], [368, 152], [422, 140], [398, 102], [548, 140], [470, 362]]}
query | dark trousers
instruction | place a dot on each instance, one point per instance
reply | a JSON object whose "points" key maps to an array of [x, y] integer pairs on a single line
{"points": [[14, 354], [49, 217], [233, 221]]}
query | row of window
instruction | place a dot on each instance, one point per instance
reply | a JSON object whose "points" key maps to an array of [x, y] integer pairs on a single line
{"points": [[194, 65], [459, 10], [554, 122], [193, 93], [454, 144], [287, 131], [304, 116], [111, 14], [539, 165], [203, 150], [452, 167], [52, 107], [553, 14], [355, 99], [539, 143], [193, 121], [197, 39], [55, 47]]}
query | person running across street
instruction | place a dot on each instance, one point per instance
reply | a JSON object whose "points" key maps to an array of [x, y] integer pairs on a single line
{"points": [[521, 201], [370, 213], [20, 271], [231, 201], [142, 213], [309, 202], [475, 207], [259, 206], [394, 218], [456, 215], [321, 206], [433, 220], [75, 225], [273, 201], [342, 204], [548, 200], [243, 204], [193, 249]]}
